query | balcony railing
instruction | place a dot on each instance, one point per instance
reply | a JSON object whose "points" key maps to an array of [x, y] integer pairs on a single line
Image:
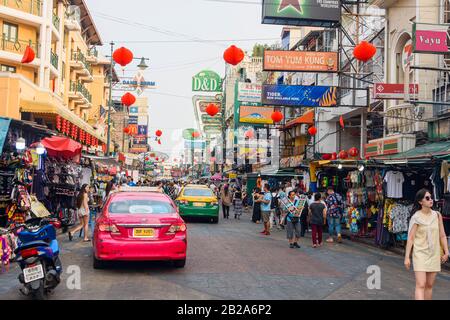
{"points": [[17, 46], [78, 56], [93, 52], [29, 6], [54, 59], [56, 21], [79, 87]]}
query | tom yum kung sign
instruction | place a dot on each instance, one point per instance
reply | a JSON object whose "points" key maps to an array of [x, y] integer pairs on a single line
{"points": [[430, 38], [300, 61]]}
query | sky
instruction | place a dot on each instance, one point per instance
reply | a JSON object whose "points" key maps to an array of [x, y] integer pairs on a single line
{"points": [[170, 34]]}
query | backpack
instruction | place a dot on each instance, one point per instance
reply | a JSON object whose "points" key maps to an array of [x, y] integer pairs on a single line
{"points": [[274, 202]]}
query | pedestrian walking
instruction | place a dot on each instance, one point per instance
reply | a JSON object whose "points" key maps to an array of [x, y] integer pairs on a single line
{"points": [[83, 213], [427, 242], [256, 217], [266, 201], [318, 216], [335, 211], [237, 203], [226, 198], [293, 220], [304, 217], [274, 210]]}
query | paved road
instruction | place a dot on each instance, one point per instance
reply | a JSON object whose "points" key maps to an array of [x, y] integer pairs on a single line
{"points": [[232, 260]]}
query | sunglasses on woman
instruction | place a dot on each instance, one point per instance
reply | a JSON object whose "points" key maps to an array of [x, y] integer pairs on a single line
{"points": [[428, 198]]}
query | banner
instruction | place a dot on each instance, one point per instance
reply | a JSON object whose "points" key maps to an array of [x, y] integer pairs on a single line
{"points": [[393, 90], [4, 128], [299, 96], [133, 120], [249, 92], [430, 38], [300, 61], [314, 13], [256, 115]]}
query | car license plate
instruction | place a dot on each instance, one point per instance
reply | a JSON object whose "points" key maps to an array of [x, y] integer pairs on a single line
{"points": [[144, 233], [199, 204], [33, 273]]}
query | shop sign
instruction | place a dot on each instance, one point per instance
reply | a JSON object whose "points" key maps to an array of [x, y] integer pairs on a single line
{"points": [[133, 119], [393, 90], [207, 119], [249, 92], [212, 129], [4, 128], [134, 110], [300, 61], [192, 144], [317, 13], [430, 38], [139, 139], [299, 96], [207, 81], [255, 115], [143, 130], [139, 149], [382, 147]]}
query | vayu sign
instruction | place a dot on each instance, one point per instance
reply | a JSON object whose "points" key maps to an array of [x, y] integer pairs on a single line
{"points": [[207, 81]]}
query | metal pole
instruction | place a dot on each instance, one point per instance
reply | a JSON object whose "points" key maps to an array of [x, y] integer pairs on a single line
{"points": [[108, 142]]}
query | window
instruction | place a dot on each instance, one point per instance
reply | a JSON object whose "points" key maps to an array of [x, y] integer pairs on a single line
{"points": [[140, 207], [198, 193], [5, 68], [10, 32], [63, 74]]}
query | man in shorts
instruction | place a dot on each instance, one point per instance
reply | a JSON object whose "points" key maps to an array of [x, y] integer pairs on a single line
{"points": [[265, 209]]}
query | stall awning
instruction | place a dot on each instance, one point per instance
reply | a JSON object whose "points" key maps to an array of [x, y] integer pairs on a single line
{"points": [[49, 108], [306, 118], [61, 147], [439, 150]]}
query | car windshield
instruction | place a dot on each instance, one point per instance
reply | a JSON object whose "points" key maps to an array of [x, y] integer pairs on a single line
{"points": [[196, 192], [143, 206]]}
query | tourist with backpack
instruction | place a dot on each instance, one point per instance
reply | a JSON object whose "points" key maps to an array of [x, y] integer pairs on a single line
{"points": [[335, 210]]}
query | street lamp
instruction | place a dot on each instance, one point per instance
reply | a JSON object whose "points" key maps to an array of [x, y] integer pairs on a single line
{"points": [[20, 144]]}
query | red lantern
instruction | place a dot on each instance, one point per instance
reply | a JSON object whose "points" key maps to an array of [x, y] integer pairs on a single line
{"points": [[233, 55], [326, 156], [28, 55], [159, 141], [364, 51], [158, 133], [123, 56], [212, 109], [341, 122], [195, 134], [277, 116], [128, 99], [312, 131], [353, 152], [334, 156], [343, 155], [126, 130], [147, 158], [249, 134], [157, 159], [58, 123]]}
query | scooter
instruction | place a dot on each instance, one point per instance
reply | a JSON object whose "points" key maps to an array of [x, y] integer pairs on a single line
{"points": [[37, 254]]}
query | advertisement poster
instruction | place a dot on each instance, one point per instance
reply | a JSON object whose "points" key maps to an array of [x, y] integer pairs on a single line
{"points": [[300, 61], [249, 92], [430, 38], [255, 115], [300, 96], [314, 13]]}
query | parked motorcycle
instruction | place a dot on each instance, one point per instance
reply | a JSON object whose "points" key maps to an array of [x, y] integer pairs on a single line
{"points": [[37, 254]]}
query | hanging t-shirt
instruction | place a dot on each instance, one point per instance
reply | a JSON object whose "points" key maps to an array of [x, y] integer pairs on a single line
{"points": [[394, 181]]}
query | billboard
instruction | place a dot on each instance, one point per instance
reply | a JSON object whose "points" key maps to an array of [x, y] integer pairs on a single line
{"points": [[314, 13], [300, 61], [207, 81], [249, 92], [143, 130], [430, 38], [256, 115], [393, 90], [299, 96]]}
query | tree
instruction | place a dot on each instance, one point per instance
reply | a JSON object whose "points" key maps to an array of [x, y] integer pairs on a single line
{"points": [[258, 49]]}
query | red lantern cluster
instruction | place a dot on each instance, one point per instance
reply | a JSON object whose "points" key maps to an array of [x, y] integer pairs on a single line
{"points": [[233, 55], [28, 55], [326, 156], [58, 123], [334, 156], [353, 152], [158, 133], [277, 116], [312, 131], [128, 99], [343, 155], [364, 51], [212, 109], [123, 56], [195, 134]]}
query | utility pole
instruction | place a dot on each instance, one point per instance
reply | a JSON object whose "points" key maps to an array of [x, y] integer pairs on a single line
{"points": [[108, 141]]}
